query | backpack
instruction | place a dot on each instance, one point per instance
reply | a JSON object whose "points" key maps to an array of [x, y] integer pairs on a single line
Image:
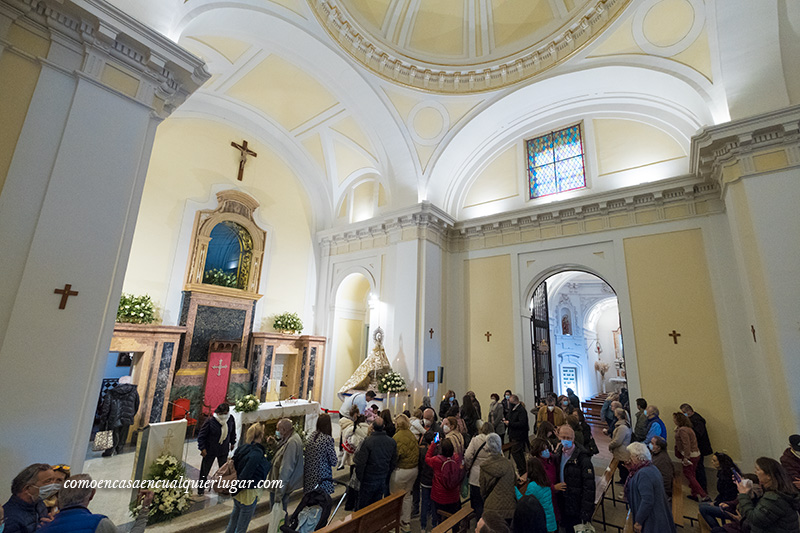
{"points": [[451, 477]]}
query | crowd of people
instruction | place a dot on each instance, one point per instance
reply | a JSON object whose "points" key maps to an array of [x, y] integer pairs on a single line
{"points": [[441, 459]]}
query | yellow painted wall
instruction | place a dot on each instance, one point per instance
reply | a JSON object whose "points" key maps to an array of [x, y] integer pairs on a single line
{"points": [[498, 180], [490, 365], [626, 144], [670, 288], [18, 78], [189, 157]]}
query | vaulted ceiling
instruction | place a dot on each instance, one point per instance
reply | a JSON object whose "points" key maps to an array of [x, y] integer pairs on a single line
{"points": [[385, 103]]}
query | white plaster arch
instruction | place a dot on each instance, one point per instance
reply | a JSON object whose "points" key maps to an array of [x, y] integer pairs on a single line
{"points": [[654, 96], [280, 32]]}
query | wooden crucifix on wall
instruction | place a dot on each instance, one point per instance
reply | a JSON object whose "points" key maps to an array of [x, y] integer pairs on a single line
{"points": [[245, 151]]}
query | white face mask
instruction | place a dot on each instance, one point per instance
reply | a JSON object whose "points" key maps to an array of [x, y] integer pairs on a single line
{"points": [[45, 491], [446, 429], [551, 407]]}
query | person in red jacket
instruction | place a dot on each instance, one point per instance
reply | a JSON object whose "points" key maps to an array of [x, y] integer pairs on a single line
{"points": [[446, 489]]}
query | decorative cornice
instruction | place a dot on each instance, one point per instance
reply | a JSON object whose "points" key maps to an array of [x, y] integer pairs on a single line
{"points": [[486, 76], [104, 35], [421, 221], [672, 199], [764, 143]]}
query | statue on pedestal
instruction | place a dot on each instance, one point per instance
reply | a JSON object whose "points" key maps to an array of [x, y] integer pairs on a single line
{"points": [[367, 373]]}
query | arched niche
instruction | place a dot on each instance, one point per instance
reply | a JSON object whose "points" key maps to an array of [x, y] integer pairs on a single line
{"points": [[227, 248]]}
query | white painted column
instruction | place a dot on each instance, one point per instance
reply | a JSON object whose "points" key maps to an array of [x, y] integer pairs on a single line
{"points": [[67, 213]]}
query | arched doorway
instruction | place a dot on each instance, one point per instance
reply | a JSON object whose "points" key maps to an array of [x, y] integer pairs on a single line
{"points": [[576, 336], [350, 339]]}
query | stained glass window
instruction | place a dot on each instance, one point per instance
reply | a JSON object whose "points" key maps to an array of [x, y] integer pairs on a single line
{"points": [[555, 162]]}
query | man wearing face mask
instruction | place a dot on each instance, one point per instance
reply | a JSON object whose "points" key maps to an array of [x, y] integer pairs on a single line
{"points": [[576, 481], [551, 412], [216, 439], [518, 429], [25, 511]]}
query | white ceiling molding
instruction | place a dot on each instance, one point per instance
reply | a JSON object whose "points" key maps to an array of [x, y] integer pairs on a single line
{"points": [[553, 101], [667, 51]]}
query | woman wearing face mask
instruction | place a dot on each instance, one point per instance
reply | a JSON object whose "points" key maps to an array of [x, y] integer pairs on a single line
{"points": [[61, 475], [496, 416], [543, 452], [547, 431], [216, 439], [450, 430], [448, 402], [538, 485], [506, 401]]}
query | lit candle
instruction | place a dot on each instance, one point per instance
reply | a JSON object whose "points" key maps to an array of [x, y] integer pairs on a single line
{"points": [[404, 406], [429, 392]]}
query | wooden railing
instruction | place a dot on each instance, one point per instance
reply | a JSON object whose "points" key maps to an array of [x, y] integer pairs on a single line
{"points": [[459, 522], [380, 517]]}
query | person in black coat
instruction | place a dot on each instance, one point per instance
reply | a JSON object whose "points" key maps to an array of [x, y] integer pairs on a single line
{"points": [[251, 466], [703, 443], [216, 439], [448, 402], [518, 429], [574, 401], [375, 460], [118, 411], [576, 486]]}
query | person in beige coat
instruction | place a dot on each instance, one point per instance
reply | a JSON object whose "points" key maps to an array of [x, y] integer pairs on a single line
{"points": [[497, 480], [619, 442]]}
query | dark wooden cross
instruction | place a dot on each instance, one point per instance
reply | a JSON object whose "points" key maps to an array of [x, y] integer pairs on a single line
{"points": [[675, 336], [431, 332], [487, 335], [245, 151], [753, 331], [65, 293]]}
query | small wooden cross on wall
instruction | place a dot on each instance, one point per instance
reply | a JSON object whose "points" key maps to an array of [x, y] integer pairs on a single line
{"points": [[431, 332], [245, 151], [674, 336], [487, 335], [753, 331], [65, 293]]}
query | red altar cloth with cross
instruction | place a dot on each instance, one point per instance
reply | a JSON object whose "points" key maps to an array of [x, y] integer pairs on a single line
{"points": [[218, 377]]}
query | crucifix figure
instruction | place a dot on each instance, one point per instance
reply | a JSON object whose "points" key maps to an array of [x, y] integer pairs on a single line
{"points": [[487, 335], [431, 332], [65, 293], [219, 368], [245, 151], [753, 331], [168, 439], [674, 336]]}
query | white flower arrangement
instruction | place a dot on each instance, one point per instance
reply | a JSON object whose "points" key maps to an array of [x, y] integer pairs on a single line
{"points": [[167, 502], [288, 322], [246, 404], [391, 382]]}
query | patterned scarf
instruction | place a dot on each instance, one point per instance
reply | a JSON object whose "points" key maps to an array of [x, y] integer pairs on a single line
{"points": [[632, 470]]}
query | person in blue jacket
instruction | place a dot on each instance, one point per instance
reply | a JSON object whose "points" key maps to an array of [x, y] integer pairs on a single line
{"points": [[655, 426], [644, 491]]}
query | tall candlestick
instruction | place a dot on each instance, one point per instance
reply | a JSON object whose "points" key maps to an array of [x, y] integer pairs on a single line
{"points": [[404, 406]]}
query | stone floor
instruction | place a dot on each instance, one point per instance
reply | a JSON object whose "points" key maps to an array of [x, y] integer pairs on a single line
{"points": [[213, 509]]}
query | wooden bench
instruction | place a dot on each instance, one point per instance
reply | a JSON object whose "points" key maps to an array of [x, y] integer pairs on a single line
{"points": [[460, 522], [380, 517], [677, 496]]}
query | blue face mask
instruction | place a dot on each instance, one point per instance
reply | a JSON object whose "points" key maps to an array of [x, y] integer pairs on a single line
{"points": [[650, 446], [545, 454], [452, 398], [2, 527], [566, 444], [277, 434]]}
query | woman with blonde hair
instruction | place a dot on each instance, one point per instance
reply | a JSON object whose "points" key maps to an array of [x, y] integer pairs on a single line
{"points": [[451, 432], [251, 465], [407, 467]]}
